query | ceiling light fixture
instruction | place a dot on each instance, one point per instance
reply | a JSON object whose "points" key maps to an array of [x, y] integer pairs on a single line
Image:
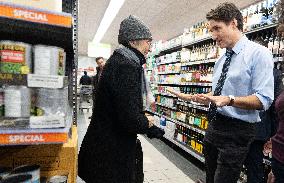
{"points": [[110, 13]]}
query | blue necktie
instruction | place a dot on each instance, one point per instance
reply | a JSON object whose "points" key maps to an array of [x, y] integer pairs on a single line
{"points": [[217, 92]]}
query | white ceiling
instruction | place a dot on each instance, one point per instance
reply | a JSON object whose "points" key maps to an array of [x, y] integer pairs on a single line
{"points": [[166, 18]]}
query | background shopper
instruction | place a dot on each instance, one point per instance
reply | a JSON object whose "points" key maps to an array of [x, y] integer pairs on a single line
{"points": [[85, 79]]}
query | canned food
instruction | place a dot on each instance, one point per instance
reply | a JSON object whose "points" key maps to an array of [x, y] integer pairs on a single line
{"points": [[49, 60], [52, 101], [17, 179], [15, 57], [17, 101], [58, 179], [33, 170]]}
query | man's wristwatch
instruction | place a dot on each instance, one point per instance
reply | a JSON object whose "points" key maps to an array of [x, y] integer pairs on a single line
{"points": [[232, 100]]}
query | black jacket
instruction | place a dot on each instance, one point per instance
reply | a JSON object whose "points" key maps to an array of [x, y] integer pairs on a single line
{"points": [[107, 153], [96, 78], [267, 127], [85, 80]]}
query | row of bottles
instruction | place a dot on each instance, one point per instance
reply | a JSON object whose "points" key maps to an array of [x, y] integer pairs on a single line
{"points": [[170, 68], [166, 101], [192, 116], [271, 40], [195, 89], [255, 16], [163, 89], [169, 58], [259, 15], [189, 138], [197, 73], [150, 62], [169, 79], [195, 32], [201, 52]]}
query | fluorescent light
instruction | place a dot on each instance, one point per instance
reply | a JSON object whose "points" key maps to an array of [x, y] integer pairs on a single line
{"points": [[111, 11]]}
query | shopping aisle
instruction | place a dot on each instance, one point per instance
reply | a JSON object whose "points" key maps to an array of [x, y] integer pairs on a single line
{"points": [[162, 164]]}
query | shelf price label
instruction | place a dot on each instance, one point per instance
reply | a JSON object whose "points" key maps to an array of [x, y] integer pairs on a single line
{"points": [[32, 138], [46, 81], [33, 15], [51, 121]]}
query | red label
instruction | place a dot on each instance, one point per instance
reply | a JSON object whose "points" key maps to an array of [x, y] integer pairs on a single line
{"points": [[12, 56]]}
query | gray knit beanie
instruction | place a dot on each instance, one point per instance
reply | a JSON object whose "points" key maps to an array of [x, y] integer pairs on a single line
{"points": [[131, 29]]}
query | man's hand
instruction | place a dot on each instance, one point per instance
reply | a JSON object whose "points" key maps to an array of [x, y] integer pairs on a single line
{"points": [[220, 101], [201, 98]]}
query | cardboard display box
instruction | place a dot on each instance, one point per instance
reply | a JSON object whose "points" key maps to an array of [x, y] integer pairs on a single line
{"points": [[54, 159]]}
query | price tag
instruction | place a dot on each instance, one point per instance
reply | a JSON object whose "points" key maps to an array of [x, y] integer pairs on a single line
{"points": [[45, 81], [51, 121]]}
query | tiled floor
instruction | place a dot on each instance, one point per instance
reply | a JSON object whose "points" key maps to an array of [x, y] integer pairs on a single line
{"points": [[158, 169], [162, 164]]}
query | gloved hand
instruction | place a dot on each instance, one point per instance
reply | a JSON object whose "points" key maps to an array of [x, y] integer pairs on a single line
{"points": [[155, 132]]}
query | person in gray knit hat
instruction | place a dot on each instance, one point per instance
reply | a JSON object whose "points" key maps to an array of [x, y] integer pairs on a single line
{"points": [[110, 151], [131, 29]]}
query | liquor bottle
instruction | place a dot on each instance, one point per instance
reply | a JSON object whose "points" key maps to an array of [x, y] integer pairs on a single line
{"points": [[245, 21], [192, 140], [180, 135], [276, 46], [176, 132], [191, 117], [255, 17], [263, 14]]}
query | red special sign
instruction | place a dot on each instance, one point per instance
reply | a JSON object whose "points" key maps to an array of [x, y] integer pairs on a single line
{"points": [[12, 56]]}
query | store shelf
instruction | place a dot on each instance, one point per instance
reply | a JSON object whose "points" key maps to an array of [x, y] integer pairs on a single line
{"points": [[160, 83], [152, 112], [175, 62], [198, 62], [168, 73], [193, 105], [10, 136], [186, 84], [36, 15], [186, 125], [187, 149], [47, 81], [189, 126], [179, 123], [173, 108], [195, 84], [13, 79], [197, 41], [248, 32], [167, 95], [52, 29], [171, 49], [34, 80], [261, 28]]}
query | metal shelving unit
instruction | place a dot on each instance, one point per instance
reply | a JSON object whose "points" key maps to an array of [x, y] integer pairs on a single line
{"points": [[61, 32]]}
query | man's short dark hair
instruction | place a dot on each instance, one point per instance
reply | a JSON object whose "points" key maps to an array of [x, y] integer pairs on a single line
{"points": [[226, 12], [98, 58], [85, 72]]}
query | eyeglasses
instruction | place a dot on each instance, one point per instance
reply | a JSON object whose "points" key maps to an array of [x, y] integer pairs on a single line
{"points": [[149, 42]]}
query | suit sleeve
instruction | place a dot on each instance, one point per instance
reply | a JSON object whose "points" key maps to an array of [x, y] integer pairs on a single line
{"points": [[128, 100]]}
